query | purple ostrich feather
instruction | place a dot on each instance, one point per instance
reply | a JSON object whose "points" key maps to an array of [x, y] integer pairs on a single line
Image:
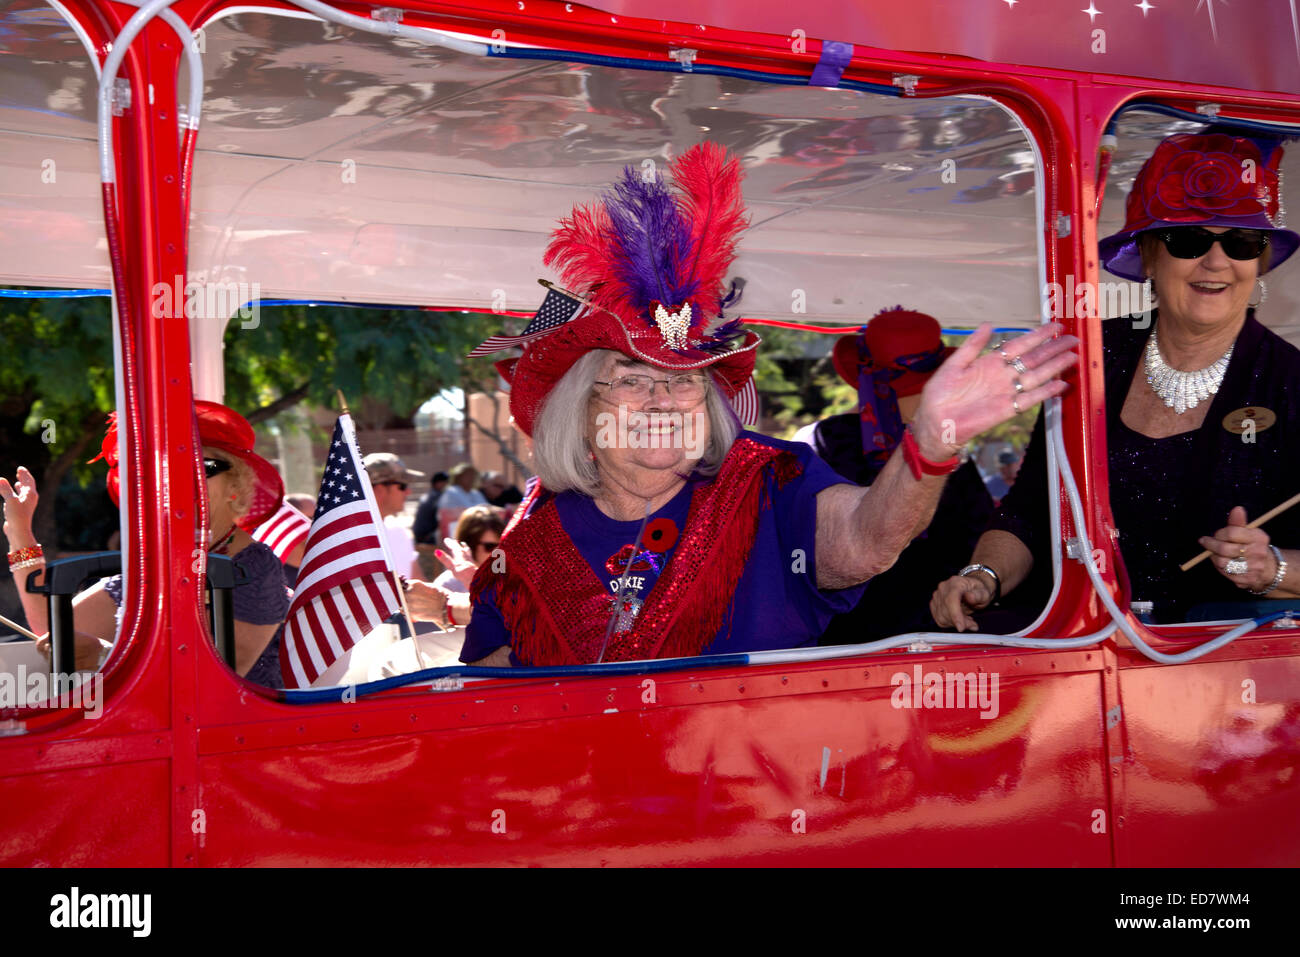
{"points": [[651, 243]]}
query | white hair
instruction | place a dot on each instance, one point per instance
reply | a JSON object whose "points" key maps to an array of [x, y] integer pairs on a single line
{"points": [[561, 455]]}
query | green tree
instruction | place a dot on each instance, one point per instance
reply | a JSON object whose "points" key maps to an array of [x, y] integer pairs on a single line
{"points": [[56, 389], [396, 357]]}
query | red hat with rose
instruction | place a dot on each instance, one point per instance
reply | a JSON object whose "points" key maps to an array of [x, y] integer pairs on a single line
{"points": [[1203, 179]]}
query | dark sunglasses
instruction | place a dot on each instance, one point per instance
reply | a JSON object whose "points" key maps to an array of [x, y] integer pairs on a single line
{"points": [[489, 545], [213, 467], [401, 485], [1193, 242]]}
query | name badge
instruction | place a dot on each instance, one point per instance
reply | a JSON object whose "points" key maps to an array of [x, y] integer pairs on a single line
{"points": [[1253, 416]]}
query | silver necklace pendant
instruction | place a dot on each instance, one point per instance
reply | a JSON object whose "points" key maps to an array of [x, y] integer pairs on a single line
{"points": [[1183, 390]]}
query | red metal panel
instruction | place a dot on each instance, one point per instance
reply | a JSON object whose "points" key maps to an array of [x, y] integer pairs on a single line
{"points": [[1212, 774], [771, 776], [110, 816]]}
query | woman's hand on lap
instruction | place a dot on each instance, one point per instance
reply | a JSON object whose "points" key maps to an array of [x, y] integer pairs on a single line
{"points": [[955, 598]]}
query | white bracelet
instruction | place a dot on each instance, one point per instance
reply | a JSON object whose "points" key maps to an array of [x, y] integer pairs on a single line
{"points": [[1277, 578]]}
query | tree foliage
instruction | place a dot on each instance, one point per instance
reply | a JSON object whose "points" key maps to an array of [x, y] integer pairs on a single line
{"points": [[397, 358], [56, 389]]}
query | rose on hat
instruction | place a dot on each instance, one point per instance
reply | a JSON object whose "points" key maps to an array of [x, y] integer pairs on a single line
{"points": [[386, 467], [1202, 179]]}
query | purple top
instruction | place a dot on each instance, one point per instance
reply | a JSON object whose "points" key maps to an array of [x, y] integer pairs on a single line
{"points": [[777, 603]]}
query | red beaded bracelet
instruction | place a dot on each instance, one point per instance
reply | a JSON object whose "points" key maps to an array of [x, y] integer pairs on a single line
{"points": [[26, 557], [919, 464]]}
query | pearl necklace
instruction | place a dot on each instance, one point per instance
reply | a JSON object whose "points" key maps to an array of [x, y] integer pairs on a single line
{"points": [[1183, 390]]}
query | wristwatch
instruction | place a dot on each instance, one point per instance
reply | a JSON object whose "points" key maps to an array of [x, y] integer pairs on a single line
{"points": [[997, 582]]}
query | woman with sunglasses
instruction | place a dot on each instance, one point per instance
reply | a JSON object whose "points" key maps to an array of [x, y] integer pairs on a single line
{"points": [[1203, 402], [243, 491]]}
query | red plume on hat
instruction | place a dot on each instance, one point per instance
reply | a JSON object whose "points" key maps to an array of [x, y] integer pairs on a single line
{"points": [[650, 262]]}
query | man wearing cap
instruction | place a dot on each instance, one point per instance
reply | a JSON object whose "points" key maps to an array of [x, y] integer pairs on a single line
{"points": [[889, 362], [390, 479]]}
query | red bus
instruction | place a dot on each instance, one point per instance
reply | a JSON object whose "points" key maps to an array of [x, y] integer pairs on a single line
{"points": [[953, 157]]}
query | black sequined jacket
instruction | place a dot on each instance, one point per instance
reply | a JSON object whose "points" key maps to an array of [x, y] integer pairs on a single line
{"points": [[1226, 470]]}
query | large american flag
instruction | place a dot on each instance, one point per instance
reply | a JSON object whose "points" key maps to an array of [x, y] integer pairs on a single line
{"points": [[284, 531], [556, 309], [345, 585]]}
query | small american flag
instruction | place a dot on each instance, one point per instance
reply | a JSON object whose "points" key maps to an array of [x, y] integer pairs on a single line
{"points": [[345, 586], [556, 309], [284, 531], [746, 404]]}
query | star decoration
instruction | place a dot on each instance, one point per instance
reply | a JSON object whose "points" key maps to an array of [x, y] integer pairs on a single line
{"points": [[1144, 7], [1011, 4], [1092, 12]]}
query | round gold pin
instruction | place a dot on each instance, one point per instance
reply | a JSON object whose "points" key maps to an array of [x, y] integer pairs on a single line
{"points": [[1252, 416]]}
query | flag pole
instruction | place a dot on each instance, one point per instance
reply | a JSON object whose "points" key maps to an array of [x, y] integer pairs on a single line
{"points": [[397, 581]]}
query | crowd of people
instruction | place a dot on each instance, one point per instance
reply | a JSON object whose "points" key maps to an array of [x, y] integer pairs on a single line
{"points": [[679, 532]]}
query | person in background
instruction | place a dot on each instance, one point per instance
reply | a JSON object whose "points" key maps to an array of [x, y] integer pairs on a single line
{"points": [[243, 491], [390, 479], [889, 362], [498, 492], [460, 495], [446, 600], [303, 502], [1000, 482], [478, 535], [425, 526]]}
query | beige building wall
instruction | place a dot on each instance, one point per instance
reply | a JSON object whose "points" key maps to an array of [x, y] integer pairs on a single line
{"points": [[493, 413]]}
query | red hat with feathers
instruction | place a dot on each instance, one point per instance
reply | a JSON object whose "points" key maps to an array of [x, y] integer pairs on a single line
{"points": [[650, 263]]}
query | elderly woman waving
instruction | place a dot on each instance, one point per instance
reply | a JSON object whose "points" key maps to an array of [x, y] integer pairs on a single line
{"points": [[660, 528]]}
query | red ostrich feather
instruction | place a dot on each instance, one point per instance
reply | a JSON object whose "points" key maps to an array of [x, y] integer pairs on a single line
{"points": [[711, 200]]}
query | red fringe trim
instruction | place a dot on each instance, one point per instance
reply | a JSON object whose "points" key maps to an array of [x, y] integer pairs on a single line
{"points": [[557, 609]]}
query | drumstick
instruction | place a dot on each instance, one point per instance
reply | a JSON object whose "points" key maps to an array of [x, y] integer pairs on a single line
{"points": [[18, 628], [1274, 513]]}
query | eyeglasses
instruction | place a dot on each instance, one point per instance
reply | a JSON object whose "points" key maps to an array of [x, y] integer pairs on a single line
{"points": [[1193, 242], [213, 467], [401, 485], [686, 387], [489, 545]]}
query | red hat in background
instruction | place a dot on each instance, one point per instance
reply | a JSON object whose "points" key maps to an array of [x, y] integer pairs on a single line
{"points": [[225, 430], [891, 335]]}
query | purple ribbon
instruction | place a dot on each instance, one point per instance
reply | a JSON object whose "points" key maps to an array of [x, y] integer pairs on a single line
{"points": [[882, 425]]}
